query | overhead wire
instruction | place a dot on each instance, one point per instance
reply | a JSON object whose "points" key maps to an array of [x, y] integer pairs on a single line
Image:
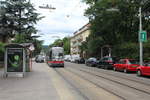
{"points": [[72, 10]]}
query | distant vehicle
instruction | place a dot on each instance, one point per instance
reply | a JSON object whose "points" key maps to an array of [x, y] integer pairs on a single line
{"points": [[39, 58], [67, 58], [74, 58], [91, 62], [55, 57], [107, 62], [126, 65], [143, 70], [80, 61]]}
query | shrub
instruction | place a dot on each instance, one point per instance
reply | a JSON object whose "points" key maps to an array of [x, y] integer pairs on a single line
{"points": [[2, 51], [127, 50]]}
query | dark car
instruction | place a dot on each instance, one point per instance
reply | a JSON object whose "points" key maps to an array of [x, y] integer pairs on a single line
{"points": [[91, 62], [39, 58], [107, 62]]}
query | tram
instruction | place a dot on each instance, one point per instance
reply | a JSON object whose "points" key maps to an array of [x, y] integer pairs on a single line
{"points": [[55, 57]]}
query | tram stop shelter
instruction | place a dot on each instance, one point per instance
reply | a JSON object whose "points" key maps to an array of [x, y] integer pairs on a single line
{"points": [[17, 59]]}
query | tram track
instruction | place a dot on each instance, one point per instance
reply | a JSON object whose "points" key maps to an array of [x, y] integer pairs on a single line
{"points": [[112, 80], [117, 76], [75, 88], [91, 82]]}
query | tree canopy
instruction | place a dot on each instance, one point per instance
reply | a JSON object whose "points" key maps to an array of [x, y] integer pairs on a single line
{"points": [[65, 43], [115, 23], [17, 19]]}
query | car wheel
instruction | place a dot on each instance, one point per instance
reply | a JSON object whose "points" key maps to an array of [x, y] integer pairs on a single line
{"points": [[139, 73], [114, 68], [105, 67], [86, 64], [125, 70]]}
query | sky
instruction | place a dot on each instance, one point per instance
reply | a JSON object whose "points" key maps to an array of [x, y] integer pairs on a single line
{"points": [[67, 18]]}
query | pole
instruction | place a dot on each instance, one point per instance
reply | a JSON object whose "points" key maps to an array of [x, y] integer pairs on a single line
{"points": [[140, 42]]}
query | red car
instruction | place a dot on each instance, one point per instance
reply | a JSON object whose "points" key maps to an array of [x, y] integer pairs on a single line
{"points": [[126, 65], [143, 70]]}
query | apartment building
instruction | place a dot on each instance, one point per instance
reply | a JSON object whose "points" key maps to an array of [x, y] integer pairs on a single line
{"points": [[79, 37]]}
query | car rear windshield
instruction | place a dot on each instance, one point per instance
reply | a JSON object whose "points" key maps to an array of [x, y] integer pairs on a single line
{"points": [[133, 62], [110, 59], [93, 59]]}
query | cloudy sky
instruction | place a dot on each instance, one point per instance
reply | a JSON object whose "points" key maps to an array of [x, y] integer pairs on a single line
{"points": [[64, 21]]}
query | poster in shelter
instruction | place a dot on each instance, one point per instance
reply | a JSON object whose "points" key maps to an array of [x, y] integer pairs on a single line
{"points": [[15, 60]]}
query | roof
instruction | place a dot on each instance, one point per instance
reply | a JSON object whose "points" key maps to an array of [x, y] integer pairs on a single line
{"points": [[85, 27], [14, 45]]}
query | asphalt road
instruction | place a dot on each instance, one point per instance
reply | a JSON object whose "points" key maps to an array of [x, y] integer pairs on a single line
{"points": [[119, 84], [74, 82]]}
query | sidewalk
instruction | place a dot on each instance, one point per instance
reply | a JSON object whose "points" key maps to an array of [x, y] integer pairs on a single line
{"points": [[36, 85]]}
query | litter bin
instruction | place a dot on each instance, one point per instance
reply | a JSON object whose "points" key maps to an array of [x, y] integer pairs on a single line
{"points": [[15, 59]]}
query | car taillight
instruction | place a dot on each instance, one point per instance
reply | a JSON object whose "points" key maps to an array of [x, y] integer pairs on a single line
{"points": [[110, 62]]}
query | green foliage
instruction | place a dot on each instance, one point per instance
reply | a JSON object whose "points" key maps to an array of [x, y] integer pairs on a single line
{"points": [[65, 43], [94, 46], [38, 46], [24, 38], [126, 50], [2, 47], [57, 42], [146, 49], [83, 46], [2, 51], [45, 48], [117, 28], [19, 16], [20, 38]]}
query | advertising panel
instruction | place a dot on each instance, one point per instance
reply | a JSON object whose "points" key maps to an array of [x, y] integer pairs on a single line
{"points": [[14, 60]]}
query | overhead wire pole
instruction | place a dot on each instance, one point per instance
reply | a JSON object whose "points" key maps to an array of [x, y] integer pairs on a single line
{"points": [[145, 8], [140, 42]]}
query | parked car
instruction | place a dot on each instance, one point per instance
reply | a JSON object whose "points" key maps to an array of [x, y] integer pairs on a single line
{"points": [[67, 58], [126, 65], [143, 70], [39, 58], [74, 58], [91, 62], [107, 62], [80, 61]]}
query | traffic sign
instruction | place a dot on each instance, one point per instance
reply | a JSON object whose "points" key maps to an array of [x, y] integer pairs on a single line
{"points": [[143, 36]]}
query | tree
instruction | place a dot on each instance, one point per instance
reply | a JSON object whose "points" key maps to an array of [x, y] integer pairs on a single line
{"points": [[2, 49], [65, 43], [57, 42], [38, 46], [115, 27], [19, 17]]}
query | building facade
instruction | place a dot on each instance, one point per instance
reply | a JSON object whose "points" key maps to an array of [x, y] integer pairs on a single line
{"points": [[79, 37]]}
